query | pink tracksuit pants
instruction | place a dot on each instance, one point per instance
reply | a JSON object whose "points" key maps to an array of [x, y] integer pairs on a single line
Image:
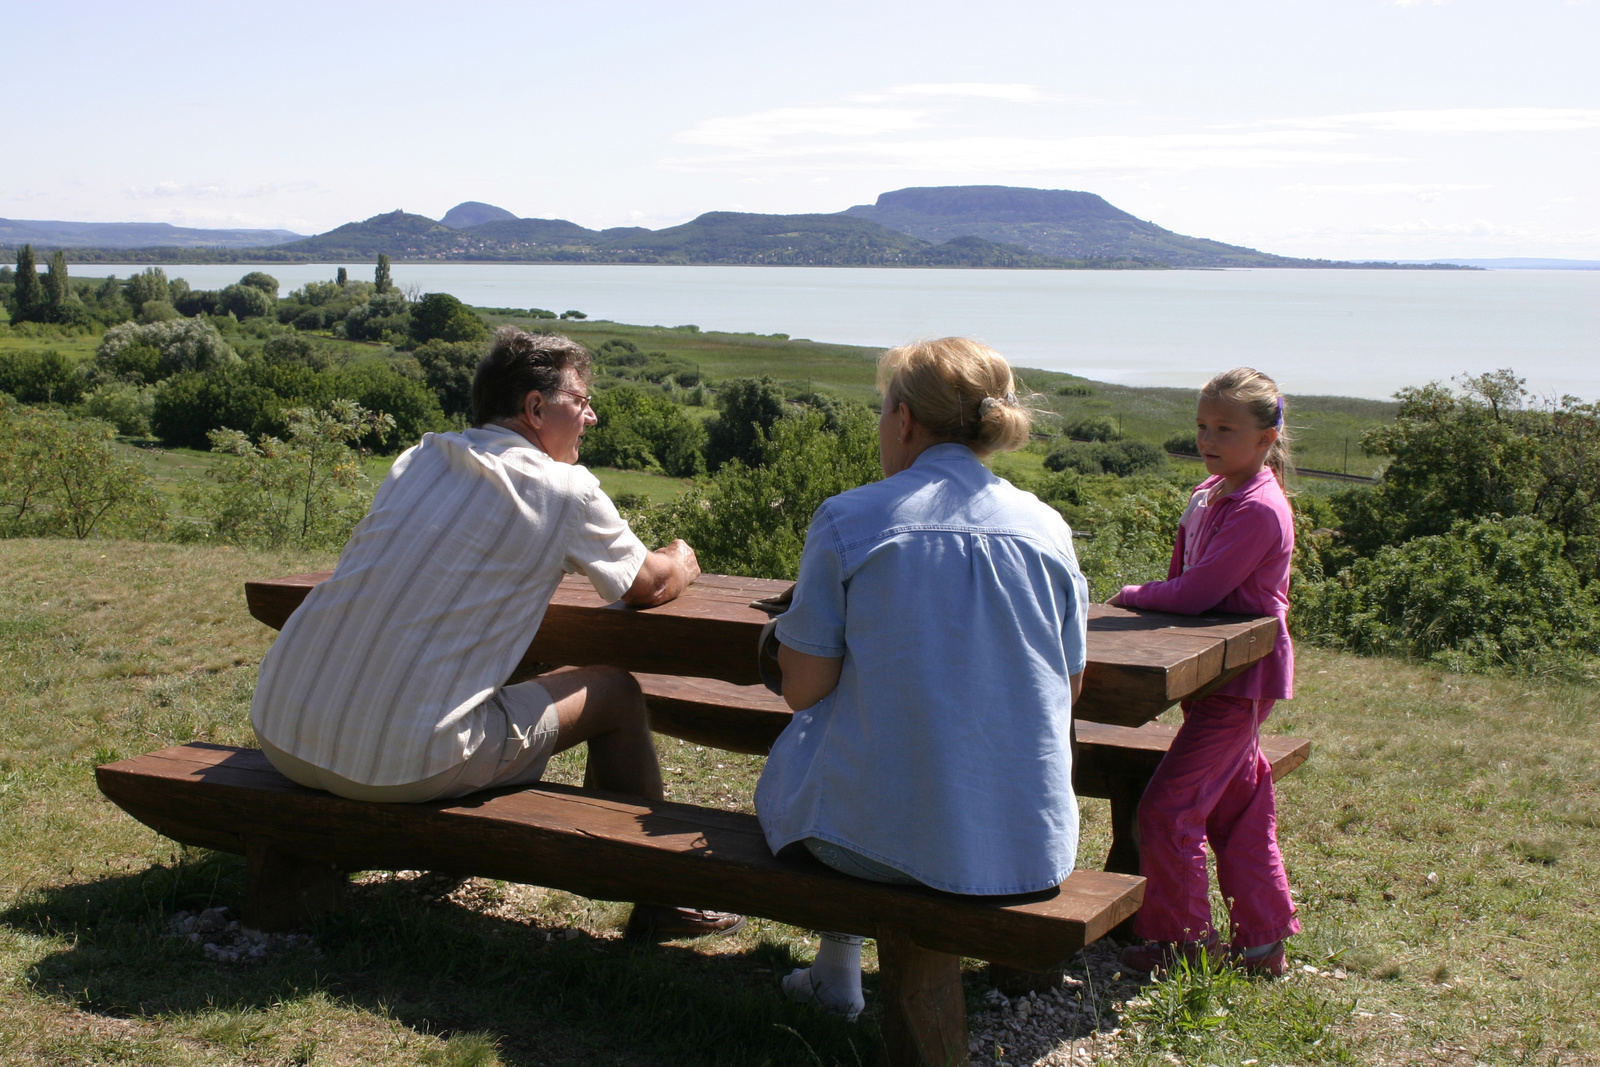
{"points": [[1214, 785]]}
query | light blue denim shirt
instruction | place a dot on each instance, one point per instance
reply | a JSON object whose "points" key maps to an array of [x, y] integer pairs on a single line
{"points": [[945, 752]]}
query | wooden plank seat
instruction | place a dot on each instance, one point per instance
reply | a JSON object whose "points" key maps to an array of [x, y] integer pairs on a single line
{"points": [[299, 843], [1113, 762]]}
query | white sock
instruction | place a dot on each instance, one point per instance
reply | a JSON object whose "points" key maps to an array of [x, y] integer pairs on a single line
{"points": [[834, 978]]}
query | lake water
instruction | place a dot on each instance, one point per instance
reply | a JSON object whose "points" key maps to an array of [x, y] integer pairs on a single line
{"points": [[1339, 332]]}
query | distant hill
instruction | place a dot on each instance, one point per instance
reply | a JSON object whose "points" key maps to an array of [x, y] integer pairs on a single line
{"points": [[1052, 222], [949, 226], [1513, 263], [474, 213], [56, 234], [831, 240]]}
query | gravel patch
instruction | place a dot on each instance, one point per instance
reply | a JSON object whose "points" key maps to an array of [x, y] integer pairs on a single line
{"points": [[1076, 1022], [225, 939]]}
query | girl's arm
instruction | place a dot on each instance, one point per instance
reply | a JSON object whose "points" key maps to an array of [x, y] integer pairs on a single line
{"points": [[1247, 536]]}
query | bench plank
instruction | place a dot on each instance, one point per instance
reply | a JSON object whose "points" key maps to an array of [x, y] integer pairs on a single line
{"points": [[598, 845], [1140, 663]]}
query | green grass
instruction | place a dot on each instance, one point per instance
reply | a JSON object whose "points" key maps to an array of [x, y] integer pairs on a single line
{"points": [[1443, 840]]}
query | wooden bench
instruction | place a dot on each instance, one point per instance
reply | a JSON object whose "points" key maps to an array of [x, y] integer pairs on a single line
{"points": [[1113, 762], [299, 845]]}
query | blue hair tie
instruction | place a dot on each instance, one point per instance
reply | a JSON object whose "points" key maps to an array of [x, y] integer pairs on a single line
{"points": [[1280, 413]]}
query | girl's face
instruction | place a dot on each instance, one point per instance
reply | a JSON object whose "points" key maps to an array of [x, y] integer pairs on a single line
{"points": [[1230, 442]]}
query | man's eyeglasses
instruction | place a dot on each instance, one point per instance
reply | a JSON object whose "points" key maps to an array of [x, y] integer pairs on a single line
{"points": [[583, 401]]}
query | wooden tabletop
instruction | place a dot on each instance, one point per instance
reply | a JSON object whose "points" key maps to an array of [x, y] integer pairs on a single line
{"points": [[1140, 662]]}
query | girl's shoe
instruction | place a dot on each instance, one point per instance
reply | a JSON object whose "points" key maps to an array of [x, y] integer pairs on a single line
{"points": [[799, 985], [1153, 956], [1272, 962]]}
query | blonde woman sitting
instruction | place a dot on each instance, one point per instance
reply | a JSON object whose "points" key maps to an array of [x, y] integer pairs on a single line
{"points": [[931, 655]]}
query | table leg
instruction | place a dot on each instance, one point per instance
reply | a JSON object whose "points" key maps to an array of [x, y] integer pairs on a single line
{"points": [[282, 891]]}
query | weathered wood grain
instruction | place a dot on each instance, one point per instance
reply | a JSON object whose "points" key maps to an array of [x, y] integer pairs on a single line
{"points": [[1140, 663], [604, 846]]}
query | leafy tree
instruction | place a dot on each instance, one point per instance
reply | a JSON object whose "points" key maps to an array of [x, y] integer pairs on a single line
{"points": [[385, 314], [752, 519], [342, 279], [190, 404], [750, 406], [410, 405], [296, 351], [40, 377], [308, 492], [27, 295], [184, 344], [124, 405], [64, 477], [246, 301], [381, 277], [441, 317], [261, 280], [448, 368], [644, 431], [149, 284], [61, 304]]}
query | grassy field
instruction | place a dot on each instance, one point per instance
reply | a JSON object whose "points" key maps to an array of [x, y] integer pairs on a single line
{"points": [[1444, 843]]}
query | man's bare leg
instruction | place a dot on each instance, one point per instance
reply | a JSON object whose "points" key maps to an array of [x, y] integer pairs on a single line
{"points": [[603, 707]]}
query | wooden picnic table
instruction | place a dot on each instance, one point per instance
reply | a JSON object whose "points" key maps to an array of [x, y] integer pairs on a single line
{"points": [[1140, 662]]}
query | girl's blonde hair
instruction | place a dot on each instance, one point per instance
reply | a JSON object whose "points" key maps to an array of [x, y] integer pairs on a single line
{"points": [[1259, 395], [960, 390]]}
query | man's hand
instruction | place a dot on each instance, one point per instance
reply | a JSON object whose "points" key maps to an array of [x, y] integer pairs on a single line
{"points": [[666, 573]]}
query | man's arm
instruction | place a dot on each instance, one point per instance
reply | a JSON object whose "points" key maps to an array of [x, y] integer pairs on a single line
{"points": [[807, 678], [666, 573]]}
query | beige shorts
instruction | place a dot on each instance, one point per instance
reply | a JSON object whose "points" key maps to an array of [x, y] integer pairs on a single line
{"points": [[519, 723]]}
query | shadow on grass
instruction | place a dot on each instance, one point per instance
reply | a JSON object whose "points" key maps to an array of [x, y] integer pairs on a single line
{"points": [[436, 967]]}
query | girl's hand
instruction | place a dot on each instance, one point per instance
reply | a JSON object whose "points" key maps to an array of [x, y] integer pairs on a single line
{"points": [[1116, 599]]}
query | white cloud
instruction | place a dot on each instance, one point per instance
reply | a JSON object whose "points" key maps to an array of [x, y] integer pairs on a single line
{"points": [[1454, 120], [1025, 155], [1014, 92]]}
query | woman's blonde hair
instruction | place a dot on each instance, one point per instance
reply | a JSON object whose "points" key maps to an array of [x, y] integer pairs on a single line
{"points": [[960, 390], [1259, 395]]}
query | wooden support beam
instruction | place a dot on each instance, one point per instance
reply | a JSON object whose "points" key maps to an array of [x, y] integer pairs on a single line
{"points": [[924, 1009]]}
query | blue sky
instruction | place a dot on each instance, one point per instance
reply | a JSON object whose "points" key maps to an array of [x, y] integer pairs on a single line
{"points": [[1345, 128]]}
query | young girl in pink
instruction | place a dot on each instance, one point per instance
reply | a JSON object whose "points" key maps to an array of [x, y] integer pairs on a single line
{"points": [[1233, 551]]}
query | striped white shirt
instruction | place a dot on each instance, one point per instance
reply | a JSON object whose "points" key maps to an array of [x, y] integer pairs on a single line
{"points": [[433, 603]]}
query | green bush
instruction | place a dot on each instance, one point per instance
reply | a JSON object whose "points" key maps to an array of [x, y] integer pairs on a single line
{"points": [[385, 313], [750, 408], [40, 377], [247, 302], [752, 519], [1184, 442], [183, 345], [1121, 458], [1094, 428], [64, 477], [1488, 595], [1129, 538], [410, 404], [308, 492], [644, 431], [188, 406], [126, 406], [441, 317], [448, 368]]}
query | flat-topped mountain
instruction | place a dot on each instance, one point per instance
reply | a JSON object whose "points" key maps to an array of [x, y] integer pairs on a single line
{"points": [[945, 226], [1052, 222]]}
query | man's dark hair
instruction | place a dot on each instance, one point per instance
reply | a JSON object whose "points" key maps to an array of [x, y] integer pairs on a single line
{"points": [[520, 363]]}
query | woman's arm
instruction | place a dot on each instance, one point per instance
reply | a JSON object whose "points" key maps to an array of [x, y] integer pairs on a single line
{"points": [[807, 678]]}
